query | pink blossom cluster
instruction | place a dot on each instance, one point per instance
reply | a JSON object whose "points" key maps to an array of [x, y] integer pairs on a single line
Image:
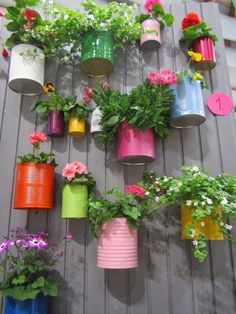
{"points": [[105, 85], [88, 92], [163, 77], [37, 137], [74, 168], [148, 5], [135, 189]]}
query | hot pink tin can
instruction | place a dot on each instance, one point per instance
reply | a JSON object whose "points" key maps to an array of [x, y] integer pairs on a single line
{"points": [[205, 46], [151, 35], [117, 246]]}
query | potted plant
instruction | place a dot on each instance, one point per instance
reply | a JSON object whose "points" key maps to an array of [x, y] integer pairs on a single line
{"points": [[28, 282], [115, 222], [201, 39], [207, 203], [134, 118], [35, 177], [75, 192], [188, 108], [152, 23], [77, 113], [107, 26]]}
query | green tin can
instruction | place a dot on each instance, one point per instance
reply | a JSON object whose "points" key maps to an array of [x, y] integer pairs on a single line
{"points": [[74, 201], [97, 57]]}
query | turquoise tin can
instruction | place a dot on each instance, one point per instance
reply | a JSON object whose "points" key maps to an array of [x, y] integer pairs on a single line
{"points": [[187, 110], [97, 56]]}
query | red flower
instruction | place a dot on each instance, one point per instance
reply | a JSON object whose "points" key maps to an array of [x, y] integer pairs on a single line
{"points": [[30, 15], [5, 53], [135, 189], [88, 91], [190, 20], [86, 99], [37, 137]]}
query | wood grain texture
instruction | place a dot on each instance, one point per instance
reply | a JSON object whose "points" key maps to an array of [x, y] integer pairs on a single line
{"points": [[168, 279]]}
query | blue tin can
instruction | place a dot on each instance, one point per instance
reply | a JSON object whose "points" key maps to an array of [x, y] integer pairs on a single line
{"points": [[188, 109], [37, 306]]}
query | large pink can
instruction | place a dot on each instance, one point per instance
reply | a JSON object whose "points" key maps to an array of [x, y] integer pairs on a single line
{"points": [[135, 146], [205, 47], [151, 35], [117, 246]]}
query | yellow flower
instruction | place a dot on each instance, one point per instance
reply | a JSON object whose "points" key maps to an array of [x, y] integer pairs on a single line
{"points": [[48, 88], [197, 77], [195, 56]]}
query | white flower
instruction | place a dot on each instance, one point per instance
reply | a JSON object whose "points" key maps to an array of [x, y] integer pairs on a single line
{"points": [[193, 233], [195, 168], [157, 198], [228, 227], [224, 201], [147, 193], [188, 202], [158, 190], [209, 201], [204, 197], [195, 242], [165, 179], [195, 203], [202, 223], [203, 203], [176, 189], [221, 223]]}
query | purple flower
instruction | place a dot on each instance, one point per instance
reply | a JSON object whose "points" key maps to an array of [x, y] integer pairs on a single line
{"points": [[69, 236], [38, 243], [4, 246]]}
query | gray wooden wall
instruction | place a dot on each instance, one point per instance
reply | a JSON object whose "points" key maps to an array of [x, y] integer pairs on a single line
{"points": [[168, 279]]}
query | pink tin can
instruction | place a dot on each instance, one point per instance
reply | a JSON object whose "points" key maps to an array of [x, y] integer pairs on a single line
{"points": [[117, 246], [134, 145], [151, 35], [205, 46]]}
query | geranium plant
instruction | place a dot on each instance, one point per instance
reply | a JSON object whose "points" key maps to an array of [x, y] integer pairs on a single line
{"points": [[30, 259], [193, 28], [206, 196], [133, 205], [36, 138], [154, 9]]}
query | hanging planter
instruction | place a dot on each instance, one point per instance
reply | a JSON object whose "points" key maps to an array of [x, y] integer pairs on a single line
{"points": [[95, 120], [39, 305], [34, 186], [26, 75], [76, 127], [204, 46], [151, 35], [188, 108], [97, 57], [55, 123], [117, 246], [208, 226], [135, 146]]}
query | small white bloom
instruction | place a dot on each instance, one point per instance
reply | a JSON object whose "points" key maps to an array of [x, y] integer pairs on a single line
{"points": [[204, 197], [195, 242], [203, 203], [157, 198], [195, 203], [147, 193], [193, 234], [228, 227], [202, 223], [188, 202], [176, 189], [224, 201], [158, 190], [165, 179], [221, 223], [195, 168], [209, 201]]}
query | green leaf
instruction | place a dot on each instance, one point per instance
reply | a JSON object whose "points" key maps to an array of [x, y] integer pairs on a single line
{"points": [[20, 293], [112, 121], [132, 212], [12, 40], [50, 288], [39, 282], [12, 26], [19, 280], [13, 11]]}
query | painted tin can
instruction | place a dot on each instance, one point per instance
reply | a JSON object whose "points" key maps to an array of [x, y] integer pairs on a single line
{"points": [[76, 127], [26, 75], [55, 123], [135, 146], [95, 120], [74, 201], [205, 46], [188, 108], [117, 246], [210, 228], [97, 58], [151, 35], [39, 305]]}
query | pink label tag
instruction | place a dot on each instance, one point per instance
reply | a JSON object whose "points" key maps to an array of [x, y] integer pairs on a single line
{"points": [[220, 104]]}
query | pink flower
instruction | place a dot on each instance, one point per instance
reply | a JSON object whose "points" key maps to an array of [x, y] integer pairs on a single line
{"points": [[69, 236], [148, 5], [80, 168], [2, 13], [5, 53], [164, 77], [88, 91], [135, 189], [105, 86], [37, 137], [153, 78], [86, 99], [69, 171]]}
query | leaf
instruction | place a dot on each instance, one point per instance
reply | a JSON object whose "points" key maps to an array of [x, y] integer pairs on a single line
{"points": [[39, 282], [12, 26], [12, 40], [19, 280], [20, 293], [132, 212], [50, 288], [112, 121], [13, 11]]}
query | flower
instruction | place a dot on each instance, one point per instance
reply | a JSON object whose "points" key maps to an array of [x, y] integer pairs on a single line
{"points": [[37, 242], [165, 179], [4, 246], [2, 13], [163, 77], [69, 171], [190, 20], [37, 137], [135, 189], [224, 201], [202, 223], [105, 86], [157, 198], [5, 53], [193, 233], [195, 242], [88, 91], [80, 168], [228, 227], [149, 4], [188, 202], [30, 15], [209, 201], [48, 88], [69, 236], [147, 193], [86, 99], [195, 168], [197, 77], [195, 56]]}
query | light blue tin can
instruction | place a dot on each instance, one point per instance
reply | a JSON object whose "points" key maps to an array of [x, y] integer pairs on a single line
{"points": [[188, 109]]}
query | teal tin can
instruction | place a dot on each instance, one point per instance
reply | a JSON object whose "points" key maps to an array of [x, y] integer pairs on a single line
{"points": [[97, 56], [187, 110]]}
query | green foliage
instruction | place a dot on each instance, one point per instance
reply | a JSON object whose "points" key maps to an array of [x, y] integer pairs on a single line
{"points": [[194, 32], [75, 109], [42, 157], [83, 179], [192, 75], [206, 196], [165, 19], [128, 206]]}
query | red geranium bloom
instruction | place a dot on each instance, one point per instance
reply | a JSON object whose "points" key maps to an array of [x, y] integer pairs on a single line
{"points": [[135, 189], [30, 15], [190, 20]]}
